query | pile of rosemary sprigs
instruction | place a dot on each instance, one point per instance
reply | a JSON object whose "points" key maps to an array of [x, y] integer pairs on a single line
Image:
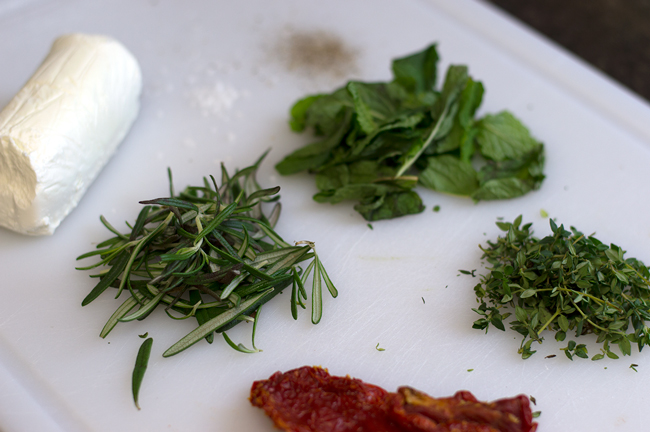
{"points": [[209, 253], [565, 282]]}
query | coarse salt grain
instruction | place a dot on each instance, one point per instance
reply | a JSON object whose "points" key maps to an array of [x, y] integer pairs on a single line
{"points": [[216, 100]]}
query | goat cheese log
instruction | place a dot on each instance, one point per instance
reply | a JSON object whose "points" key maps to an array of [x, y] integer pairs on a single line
{"points": [[61, 128]]}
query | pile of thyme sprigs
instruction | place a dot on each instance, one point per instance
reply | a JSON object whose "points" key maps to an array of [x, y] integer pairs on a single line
{"points": [[565, 282], [209, 253]]}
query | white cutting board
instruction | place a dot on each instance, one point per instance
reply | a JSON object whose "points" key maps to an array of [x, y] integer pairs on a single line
{"points": [[399, 282]]}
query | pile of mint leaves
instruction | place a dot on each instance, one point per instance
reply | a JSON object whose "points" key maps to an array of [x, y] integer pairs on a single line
{"points": [[377, 141]]}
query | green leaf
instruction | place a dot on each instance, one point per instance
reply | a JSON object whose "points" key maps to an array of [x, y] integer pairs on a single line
{"points": [[333, 178], [443, 111], [328, 282], [625, 346], [202, 315], [106, 281], [238, 347], [581, 351], [470, 100], [217, 220], [170, 202], [120, 312], [530, 275], [316, 294], [356, 192], [326, 112], [390, 205], [526, 351], [450, 175], [612, 255], [148, 306], [316, 154], [563, 322], [621, 276], [521, 314], [528, 293], [463, 133], [417, 72], [363, 116], [141, 363], [299, 112], [501, 137], [498, 189], [497, 322], [214, 324]]}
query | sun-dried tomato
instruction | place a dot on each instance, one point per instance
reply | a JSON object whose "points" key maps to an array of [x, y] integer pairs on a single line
{"points": [[413, 410], [309, 399]]}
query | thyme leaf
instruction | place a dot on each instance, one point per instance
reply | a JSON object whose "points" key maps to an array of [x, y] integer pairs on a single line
{"points": [[566, 282]]}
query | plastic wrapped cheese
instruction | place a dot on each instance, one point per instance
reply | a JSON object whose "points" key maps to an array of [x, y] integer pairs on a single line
{"points": [[61, 128]]}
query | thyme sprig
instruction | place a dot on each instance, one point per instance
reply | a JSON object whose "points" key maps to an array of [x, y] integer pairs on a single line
{"points": [[209, 253], [565, 282]]}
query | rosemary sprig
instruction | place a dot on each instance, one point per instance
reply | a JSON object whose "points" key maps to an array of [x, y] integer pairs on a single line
{"points": [[210, 253], [564, 282]]}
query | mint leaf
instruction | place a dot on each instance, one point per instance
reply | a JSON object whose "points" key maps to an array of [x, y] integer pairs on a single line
{"points": [[417, 72], [316, 154], [391, 205], [299, 112], [449, 174], [501, 137], [378, 140], [511, 178], [363, 116]]}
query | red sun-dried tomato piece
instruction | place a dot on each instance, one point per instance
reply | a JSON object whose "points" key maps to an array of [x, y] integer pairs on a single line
{"points": [[417, 411], [309, 399]]}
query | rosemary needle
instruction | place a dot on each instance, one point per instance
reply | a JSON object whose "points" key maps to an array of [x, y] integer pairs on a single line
{"points": [[141, 362], [209, 253]]}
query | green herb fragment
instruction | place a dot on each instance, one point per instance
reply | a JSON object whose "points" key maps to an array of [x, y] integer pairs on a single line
{"points": [[633, 366], [141, 363], [536, 414], [377, 141], [370, 226], [209, 253], [543, 213], [566, 282], [144, 336], [379, 349], [470, 370], [436, 208]]}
